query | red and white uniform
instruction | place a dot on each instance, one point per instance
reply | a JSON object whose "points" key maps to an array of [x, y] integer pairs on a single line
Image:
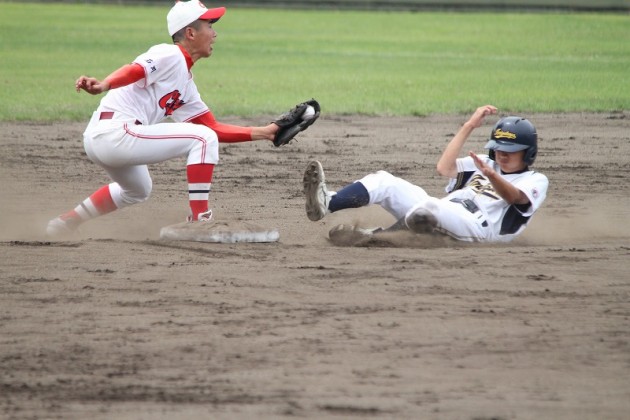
{"points": [[127, 131]]}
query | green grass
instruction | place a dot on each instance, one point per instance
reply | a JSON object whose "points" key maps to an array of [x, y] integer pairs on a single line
{"points": [[374, 63]]}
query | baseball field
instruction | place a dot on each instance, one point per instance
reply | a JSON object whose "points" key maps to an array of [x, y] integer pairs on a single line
{"points": [[117, 324]]}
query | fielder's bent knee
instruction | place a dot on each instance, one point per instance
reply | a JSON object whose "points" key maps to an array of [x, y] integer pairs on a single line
{"points": [[206, 150], [134, 197], [139, 194]]}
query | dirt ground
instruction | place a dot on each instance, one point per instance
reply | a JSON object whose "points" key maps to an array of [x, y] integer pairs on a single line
{"points": [[117, 323]]}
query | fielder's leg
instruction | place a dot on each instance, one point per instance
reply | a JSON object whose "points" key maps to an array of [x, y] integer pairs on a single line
{"points": [[132, 185], [199, 183], [147, 144], [97, 204]]}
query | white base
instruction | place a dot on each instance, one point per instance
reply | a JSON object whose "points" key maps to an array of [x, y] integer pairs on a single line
{"points": [[219, 232]]}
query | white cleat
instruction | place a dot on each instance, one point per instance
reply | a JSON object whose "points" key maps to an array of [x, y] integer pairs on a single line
{"points": [[317, 195], [206, 216], [58, 227]]}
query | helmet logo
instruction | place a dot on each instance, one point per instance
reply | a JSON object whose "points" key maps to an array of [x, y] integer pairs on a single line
{"points": [[500, 134]]}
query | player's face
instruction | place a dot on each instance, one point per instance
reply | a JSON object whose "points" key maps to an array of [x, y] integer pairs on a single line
{"points": [[204, 38], [510, 162]]}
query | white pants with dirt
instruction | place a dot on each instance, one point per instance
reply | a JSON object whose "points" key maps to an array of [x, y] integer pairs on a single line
{"points": [[401, 198]]}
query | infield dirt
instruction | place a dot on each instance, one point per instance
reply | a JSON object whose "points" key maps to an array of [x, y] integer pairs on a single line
{"points": [[116, 323]]}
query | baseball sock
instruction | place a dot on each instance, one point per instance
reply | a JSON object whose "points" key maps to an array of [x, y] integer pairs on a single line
{"points": [[199, 183], [97, 204], [349, 197]]}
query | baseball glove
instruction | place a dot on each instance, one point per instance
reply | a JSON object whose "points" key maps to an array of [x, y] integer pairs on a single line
{"points": [[292, 122]]}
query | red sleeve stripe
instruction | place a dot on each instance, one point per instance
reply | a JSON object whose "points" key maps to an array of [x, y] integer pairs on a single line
{"points": [[126, 75]]}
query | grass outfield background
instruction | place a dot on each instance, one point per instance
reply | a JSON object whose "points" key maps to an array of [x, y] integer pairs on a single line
{"points": [[376, 63]]}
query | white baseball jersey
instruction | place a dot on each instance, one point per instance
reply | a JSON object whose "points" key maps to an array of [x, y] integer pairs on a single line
{"points": [[504, 220], [126, 133], [168, 86]]}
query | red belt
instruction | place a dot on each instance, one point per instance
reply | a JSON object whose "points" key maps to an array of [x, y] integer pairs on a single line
{"points": [[108, 115]]}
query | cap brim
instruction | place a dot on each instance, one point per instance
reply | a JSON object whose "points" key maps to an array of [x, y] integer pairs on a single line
{"points": [[213, 14], [505, 146]]}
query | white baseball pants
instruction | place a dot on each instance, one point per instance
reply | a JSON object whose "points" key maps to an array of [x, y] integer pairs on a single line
{"points": [[401, 198], [124, 149]]}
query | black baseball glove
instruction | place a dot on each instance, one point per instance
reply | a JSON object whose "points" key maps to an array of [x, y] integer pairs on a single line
{"points": [[292, 122]]}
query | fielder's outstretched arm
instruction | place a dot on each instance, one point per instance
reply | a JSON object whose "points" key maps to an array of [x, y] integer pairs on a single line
{"points": [[228, 133]]}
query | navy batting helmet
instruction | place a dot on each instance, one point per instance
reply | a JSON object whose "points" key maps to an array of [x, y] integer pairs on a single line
{"points": [[512, 134]]}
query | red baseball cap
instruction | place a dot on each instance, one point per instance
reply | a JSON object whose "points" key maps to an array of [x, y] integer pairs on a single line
{"points": [[183, 13]]}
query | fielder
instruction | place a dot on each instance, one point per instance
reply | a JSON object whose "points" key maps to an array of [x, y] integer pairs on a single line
{"points": [[490, 198], [127, 132]]}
